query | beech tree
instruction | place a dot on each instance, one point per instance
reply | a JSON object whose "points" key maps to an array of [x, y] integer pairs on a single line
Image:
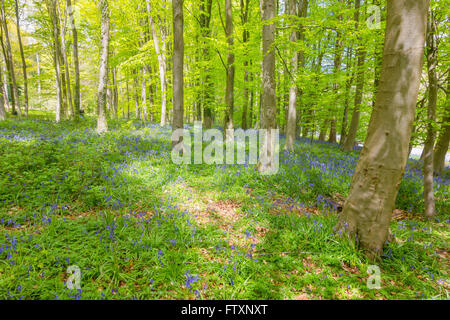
{"points": [[368, 209], [102, 125], [178, 64]]}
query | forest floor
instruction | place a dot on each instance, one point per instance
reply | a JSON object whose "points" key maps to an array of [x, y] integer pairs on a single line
{"points": [[140, 227]]}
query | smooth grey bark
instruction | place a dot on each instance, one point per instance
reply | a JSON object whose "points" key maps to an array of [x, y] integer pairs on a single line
{"points": [[205, 30], [442, 143], [368, 209], [432, 62], [161, 63], [102, 124], [245, 39], [353, 130], [337, 68], [51, 6], [178, 63], [348, 86], [65, 61], [229, 92], [136, 97], [2, 100], [144, 95], [10, 63], [77, 93], [268, 80], [22, 56], [291, 121]]}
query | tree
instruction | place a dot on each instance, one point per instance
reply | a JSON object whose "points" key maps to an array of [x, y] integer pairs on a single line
{"points": [[2, 100], [6, 45], [431, 54], [24, 65], [229, 94], [444, 137], [351, 137], [102, 124], [51, 6], [268, 79], [178, 63], [368, 209], [161, 62], [77, 93]]}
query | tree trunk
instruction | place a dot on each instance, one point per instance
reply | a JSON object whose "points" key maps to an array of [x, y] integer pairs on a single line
{"points": [[268, 71], [229, 94], [291, 121], [205, 30], [431, 54], [77, 93], [144, 95], [51, 5], [161, 64], [2, 100], [348, 87], [102, 124], [136, 97], [351, 137], [368, 209], [10, 64], [444, 137], [178, 63], [24, 65], [65, 61]]}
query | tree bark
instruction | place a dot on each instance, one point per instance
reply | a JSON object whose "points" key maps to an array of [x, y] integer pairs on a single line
{"points": [[102, 124], [444, 137], [144, 95], [22, 56], [229, 94], [351, 137], [368, 209], [65, 61], [178, 63], [77, 93], [10, 63], [2, 100], [431, 54], [161, 64], [268, 72]]}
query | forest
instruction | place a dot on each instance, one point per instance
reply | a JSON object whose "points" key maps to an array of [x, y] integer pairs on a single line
{"points": [[125, 171]]}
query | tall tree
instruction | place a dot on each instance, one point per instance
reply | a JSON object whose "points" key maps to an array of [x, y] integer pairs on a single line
{"points": [[77, 93], [22, 56], [51, 6], [10, 62], [102, 124], [207, 87], [2, 100], [368, 209], [432, 61], [444, 137], [245, 39], [351, 137], [161, 62], [178, 64], [229, 94], [268, 80]]}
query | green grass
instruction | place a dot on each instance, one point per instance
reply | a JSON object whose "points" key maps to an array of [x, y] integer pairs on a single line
{"points": [[140, 227]]}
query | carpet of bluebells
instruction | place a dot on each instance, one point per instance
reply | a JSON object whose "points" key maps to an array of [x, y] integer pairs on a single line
{"points": [[140, 227]]}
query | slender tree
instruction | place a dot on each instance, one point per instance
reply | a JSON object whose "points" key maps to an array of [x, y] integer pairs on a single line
{"points": [[22, 56], [178, 63], [10, 63], [77, 93], [351, 137], [444, 137], [102, 124], [431, 55]]}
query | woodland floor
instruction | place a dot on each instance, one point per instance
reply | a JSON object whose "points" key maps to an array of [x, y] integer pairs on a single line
{"points": [[140, 227]]}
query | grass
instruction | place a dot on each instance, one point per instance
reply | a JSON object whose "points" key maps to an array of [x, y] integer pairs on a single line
{"points": [[140, 227]]}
